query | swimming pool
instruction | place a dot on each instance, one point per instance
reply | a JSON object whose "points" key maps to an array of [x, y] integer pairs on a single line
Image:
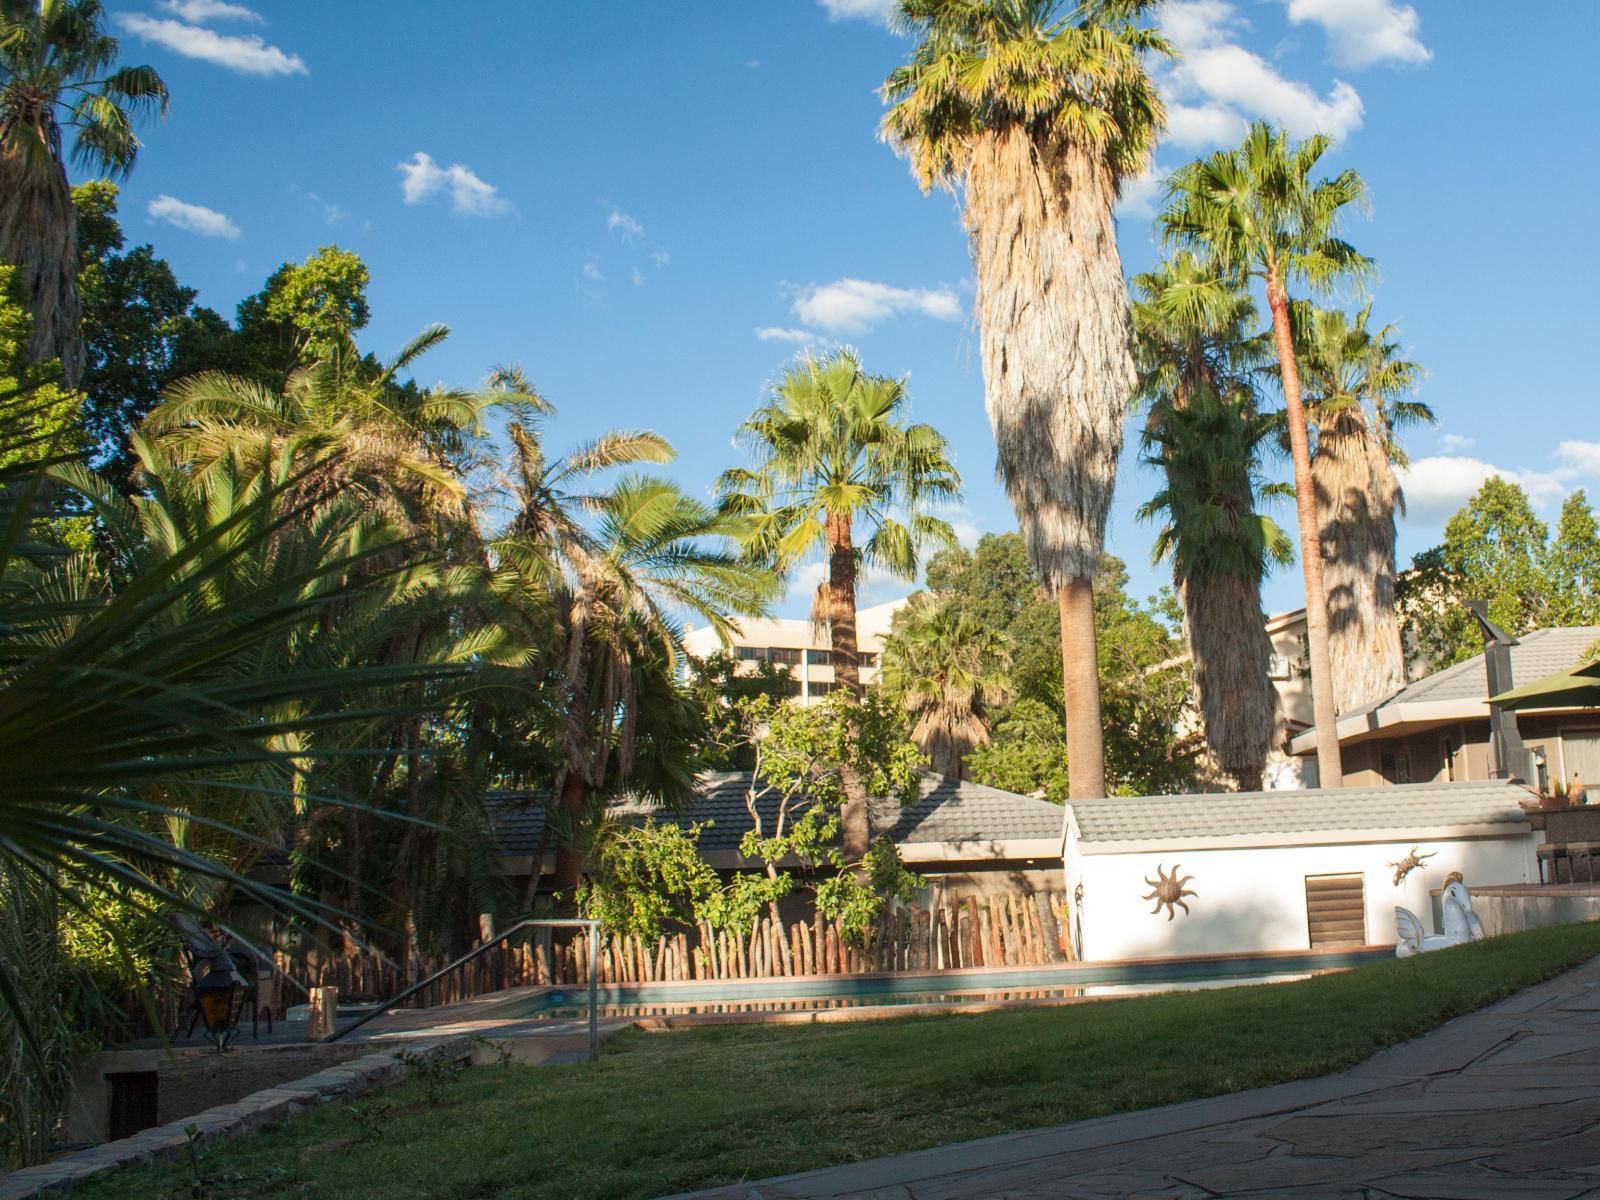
{"points": [[987, 987]]}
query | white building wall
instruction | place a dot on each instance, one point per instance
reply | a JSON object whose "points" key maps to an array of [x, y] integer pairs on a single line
{"points": [[1254, 899]]}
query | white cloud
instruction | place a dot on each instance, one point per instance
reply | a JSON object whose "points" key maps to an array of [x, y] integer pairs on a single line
{"points": [[1436, 486], [660, 257], [198, 12], [1228, 79], [637, 277], [1364, 32], [422, 179], [620, 222], [858, 10], [1197, 126], [193, 218], [774, 333], [1580, 458], [1139, 194], [591, 270], [247, 54], [1456, 442], [856, 305]]}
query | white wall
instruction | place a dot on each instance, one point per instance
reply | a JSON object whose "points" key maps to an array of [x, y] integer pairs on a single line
{"points": [[1254, 899]]}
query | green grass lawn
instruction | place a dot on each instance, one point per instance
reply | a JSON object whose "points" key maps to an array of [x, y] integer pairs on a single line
{"points": [[662, 1113]]}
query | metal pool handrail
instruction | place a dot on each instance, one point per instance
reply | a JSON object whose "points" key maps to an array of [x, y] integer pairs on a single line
{"points": [[551, 922]]}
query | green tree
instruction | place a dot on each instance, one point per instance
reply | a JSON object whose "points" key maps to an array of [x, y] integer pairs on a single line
{"points": [[835, 457], [1255, 212], [305, 312], [719, 682], [59, 80], [948, 672], [140, 328], [1573, 564], [43, 416], [1494, 550], [1036, 113], [1026, 753], [1357, 396]]}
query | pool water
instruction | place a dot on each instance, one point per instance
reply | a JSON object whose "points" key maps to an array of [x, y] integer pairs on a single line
{"points": [[945, 989]]}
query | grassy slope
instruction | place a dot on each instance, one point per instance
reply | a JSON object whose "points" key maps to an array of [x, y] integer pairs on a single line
{"points": [[667, 1112]]}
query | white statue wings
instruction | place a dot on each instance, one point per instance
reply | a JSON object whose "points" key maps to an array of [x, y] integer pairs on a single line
{"points": [[1461, 924]]}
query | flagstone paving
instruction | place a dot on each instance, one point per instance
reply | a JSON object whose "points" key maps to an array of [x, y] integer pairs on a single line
{"points": [[1500, 1103]]}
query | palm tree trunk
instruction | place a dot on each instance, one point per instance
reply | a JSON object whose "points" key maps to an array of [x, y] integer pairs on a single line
{"points": [[842, 606], [1330, 769], [1232, 660], [856, 817], [1080, 687], [569, 859], [39, 236]]}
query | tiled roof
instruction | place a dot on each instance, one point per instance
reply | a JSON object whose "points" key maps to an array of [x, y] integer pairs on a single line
{"points": [[1253, 815], [1537, 654], [945, 811]]}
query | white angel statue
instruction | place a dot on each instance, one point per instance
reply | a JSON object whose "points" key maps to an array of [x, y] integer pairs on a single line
{"points": [[1461, 924]]}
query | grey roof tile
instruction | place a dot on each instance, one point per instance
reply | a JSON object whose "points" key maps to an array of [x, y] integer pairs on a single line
{"points": [[1537, 654], [945, 811], [1356, 810]]}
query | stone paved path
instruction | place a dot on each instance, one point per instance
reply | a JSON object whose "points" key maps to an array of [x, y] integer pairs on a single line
{"points": [[1501, 1103]]}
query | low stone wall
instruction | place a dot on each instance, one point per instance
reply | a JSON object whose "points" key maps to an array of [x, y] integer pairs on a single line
{"points": [[261, 1108], [1513, 913]]}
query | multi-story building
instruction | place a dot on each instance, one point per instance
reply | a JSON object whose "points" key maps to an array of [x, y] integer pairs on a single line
{"points": [[794, 644]]}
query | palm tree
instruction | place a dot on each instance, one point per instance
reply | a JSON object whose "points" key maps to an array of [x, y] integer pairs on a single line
{"points": [[949, 671], [58, 74], [1356, 395], [618, 586], [1197, 376], [1221, 549], [1254, 211], [1038, 112], [400, 447], [835, 455]]}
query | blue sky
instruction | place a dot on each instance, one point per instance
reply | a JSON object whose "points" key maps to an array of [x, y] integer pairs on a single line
{"points": [[651, 207]]}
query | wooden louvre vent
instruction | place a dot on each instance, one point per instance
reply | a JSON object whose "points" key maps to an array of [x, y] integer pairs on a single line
{"points": [[1336, 910]]}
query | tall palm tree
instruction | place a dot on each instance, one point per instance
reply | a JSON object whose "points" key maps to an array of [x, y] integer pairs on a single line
{"points": [[1357, 390], [1255, 211], [1197, 377], [1037, 112], [949, 671], [835, 457], [1221, 548], [619, 583], [59, 79]]}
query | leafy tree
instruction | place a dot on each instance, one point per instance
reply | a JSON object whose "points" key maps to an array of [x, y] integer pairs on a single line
{"points": [[1254, 212], [1493, 550], [836, 458], [719, 682], [1037, 112], [43, 416], [1145, 683], [1025, 754], [306, 311], [808, 761], [59, 79], [949, 672], [647, 878], [141, 328], [1357, 395], [1573, 565]]}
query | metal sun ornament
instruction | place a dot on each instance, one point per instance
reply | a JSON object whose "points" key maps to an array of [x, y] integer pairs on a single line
{"points": [[1169, 891]]}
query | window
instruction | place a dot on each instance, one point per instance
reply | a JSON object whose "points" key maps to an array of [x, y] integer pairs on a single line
{"points": [[1581, 749], [819, 658], [1394, 766], [749, 653], [1336, 910], [784, 655], [868, 660], [1279, 667], [822, 689], [1447, 756]]}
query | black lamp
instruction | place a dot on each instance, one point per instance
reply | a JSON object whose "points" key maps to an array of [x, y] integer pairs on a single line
{"points": [[219, 994]]}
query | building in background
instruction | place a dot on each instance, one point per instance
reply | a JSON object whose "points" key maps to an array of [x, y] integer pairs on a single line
{"points": [[795, 644]]}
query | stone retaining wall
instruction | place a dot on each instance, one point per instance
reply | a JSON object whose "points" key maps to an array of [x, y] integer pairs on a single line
{"points": [[261, 1108]]}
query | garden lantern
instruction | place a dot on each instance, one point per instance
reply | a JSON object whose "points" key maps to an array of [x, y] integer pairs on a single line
{"points": [[219, 994]]}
